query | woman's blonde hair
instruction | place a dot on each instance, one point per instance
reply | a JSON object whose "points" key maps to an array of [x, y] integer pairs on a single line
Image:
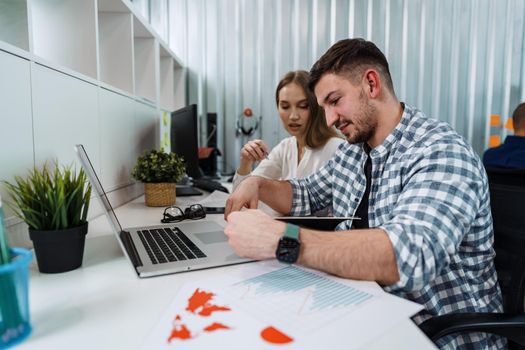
{"points": [[317, 131]]}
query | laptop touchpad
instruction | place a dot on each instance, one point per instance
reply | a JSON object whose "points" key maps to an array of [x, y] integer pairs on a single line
{"points": [[212, 237]]}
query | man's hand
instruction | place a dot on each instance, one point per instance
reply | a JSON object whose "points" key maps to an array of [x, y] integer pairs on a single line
{"points": [[246, 195], [254, 234]]}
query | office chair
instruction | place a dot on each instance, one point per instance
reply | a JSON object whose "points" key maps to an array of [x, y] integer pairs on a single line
{"points": [[508, 212], [506, 176]]}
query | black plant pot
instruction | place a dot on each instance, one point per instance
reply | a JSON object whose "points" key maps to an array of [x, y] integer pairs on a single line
{"points": [[59, 250]]}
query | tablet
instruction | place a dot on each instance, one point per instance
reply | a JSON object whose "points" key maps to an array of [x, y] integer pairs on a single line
{"points": [[325, 223]]}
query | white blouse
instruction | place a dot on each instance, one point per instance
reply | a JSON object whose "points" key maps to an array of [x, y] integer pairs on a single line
{"points": [[282, 161]]}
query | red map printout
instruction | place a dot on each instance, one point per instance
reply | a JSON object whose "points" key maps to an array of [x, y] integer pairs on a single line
{"points": [[200, 304]]}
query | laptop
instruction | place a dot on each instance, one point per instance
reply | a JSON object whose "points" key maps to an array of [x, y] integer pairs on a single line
{"points": [[165, 248]]}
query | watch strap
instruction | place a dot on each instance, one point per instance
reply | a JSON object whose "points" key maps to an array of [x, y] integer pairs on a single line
{"points": [[291, 231]]}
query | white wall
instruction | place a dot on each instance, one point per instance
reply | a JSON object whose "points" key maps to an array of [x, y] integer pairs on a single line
{"points": [[46, 112], [16, 132], [458, 61], [81, 71]]}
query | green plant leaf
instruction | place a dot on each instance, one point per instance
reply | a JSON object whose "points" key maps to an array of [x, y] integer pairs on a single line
{"points": [[158, 166], [50, 199]]}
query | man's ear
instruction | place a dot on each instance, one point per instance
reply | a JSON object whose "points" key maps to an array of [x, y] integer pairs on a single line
{"points": [[373, 82]]}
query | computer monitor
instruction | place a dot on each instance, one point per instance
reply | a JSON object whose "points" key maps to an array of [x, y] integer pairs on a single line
{"points": [[184, 138]]}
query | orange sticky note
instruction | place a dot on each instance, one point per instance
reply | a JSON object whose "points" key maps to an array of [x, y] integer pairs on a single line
{"points": [[495, 120], [509, 125], [494, 141]]}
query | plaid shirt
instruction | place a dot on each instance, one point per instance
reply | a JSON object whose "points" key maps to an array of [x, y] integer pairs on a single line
{"points": [[429, 193]]}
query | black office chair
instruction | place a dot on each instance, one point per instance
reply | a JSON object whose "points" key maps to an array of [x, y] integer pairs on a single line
{"points": [[507, 193], [505, 176]]}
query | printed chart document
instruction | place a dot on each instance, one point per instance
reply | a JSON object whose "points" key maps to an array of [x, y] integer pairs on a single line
{"points": [[216, 199], [268, 305]]}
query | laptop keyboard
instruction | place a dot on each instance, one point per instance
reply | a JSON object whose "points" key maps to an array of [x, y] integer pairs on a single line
{"points": [[168, 244]]}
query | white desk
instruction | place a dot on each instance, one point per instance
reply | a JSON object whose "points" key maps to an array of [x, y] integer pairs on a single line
{"points": [[104, 305]]}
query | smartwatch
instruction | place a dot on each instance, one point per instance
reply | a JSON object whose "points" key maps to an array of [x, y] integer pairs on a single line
{"points": [[289, 245]]}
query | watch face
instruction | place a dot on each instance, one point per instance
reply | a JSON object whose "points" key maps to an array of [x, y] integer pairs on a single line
{"points": [[288, 250]]}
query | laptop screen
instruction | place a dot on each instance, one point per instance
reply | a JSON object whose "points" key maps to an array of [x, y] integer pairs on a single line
{"points": [[97, 186]]}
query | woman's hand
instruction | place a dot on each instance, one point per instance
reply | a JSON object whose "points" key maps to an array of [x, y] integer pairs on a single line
{"points": [[252, 151]]}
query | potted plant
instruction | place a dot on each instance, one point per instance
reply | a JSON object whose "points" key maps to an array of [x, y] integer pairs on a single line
{"points": [[54, 204], [159, 171]]}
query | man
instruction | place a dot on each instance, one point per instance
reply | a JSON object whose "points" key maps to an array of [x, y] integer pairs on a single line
{"points": [[512, 153], [425, 232]]}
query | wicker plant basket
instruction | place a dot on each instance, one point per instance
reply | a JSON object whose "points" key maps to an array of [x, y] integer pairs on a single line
{"points": [[161, 194]]}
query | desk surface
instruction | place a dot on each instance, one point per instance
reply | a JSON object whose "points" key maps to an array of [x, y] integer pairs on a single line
{"points": [[104, 305]]}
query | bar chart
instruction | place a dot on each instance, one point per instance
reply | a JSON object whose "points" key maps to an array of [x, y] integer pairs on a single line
{"points": [[295, 299], [326, 293]]}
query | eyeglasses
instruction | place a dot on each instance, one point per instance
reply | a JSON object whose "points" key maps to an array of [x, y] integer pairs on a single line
{"points": [[176, 214]]}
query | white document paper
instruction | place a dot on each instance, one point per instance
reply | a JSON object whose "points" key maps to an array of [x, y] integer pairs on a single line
{"points": [[216, 199], [268, 305]]}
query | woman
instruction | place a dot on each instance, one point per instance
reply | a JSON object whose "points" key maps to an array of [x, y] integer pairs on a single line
{"points": [[310, 145]]}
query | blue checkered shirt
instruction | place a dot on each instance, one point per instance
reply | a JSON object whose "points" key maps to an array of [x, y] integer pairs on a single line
{"points": [[429, 193]]}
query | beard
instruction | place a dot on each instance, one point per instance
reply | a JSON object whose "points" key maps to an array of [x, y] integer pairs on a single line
{"points": [[365, 122]]}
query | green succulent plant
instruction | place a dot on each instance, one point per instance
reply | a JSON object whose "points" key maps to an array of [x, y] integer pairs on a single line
{"points": [[157, 166], [50, 199]]}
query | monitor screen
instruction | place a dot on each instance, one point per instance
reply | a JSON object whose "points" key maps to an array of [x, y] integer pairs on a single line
{"points": [[184, 138]]}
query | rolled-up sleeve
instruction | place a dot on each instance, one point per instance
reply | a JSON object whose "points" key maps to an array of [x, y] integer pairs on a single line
{"points": [[439, 202]]}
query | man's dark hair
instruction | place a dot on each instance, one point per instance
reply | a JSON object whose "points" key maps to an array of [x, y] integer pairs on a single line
{"points": [[518, 117], [351, 57]]}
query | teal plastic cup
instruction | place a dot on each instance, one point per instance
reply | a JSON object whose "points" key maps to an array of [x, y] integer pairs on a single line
{"points": [[14, 298]]}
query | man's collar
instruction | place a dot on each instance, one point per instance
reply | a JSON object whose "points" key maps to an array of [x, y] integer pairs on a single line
{"points": [[397, 133]]}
